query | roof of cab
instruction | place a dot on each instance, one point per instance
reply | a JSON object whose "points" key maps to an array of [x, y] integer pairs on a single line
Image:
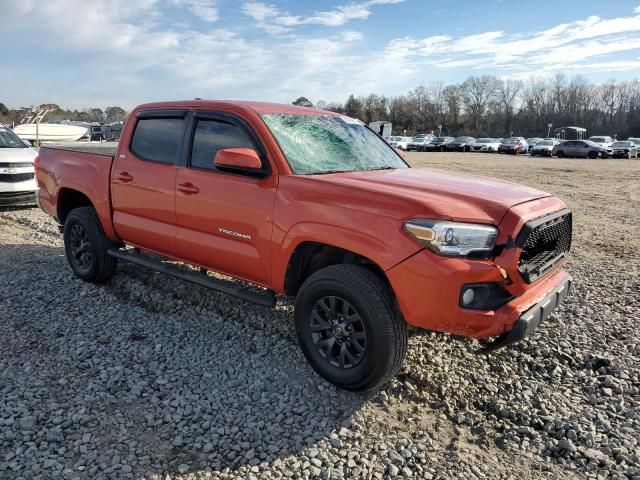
{"points": [[257, 107]]}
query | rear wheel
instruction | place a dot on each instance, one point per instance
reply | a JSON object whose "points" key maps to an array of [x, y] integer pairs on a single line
{"points": [[560, 154], [86, 246], [349, 327]]}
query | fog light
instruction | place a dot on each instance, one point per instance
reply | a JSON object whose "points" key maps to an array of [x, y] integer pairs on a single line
{"points": [[468, 296]]}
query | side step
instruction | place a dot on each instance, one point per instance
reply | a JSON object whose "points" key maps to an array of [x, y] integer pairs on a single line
{"points": [[267, 299]]}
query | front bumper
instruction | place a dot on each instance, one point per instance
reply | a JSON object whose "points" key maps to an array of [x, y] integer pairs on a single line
{"points": [[533, 317], [541, 152], [428, 288], [17, 198]]}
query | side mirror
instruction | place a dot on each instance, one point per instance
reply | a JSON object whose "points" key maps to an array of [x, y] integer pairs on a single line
{"points": [[245, 159]]}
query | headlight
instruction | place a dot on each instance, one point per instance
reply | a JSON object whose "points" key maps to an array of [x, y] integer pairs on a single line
{"points": [[452, 239]]}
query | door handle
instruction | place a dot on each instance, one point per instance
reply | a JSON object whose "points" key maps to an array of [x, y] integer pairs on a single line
{"points": [[188, 188], [124, 177]]}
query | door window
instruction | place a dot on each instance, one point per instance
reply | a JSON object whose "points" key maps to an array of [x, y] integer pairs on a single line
{"points": [[158, 139], [213, 135]]}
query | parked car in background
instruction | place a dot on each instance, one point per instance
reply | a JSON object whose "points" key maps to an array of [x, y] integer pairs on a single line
{"points": [[399, 142], [581, 149], [635, 140], [603, 141], [393, 141], [418, 141], [460, 144], [533, 141], [485, 145], [514, 146], [544, 147], [402, 144], [438, 144], [17, 182], [625, 149]]}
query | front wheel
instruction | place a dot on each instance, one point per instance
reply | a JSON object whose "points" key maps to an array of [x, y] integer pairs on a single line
{"points": [[86, 246], [560, 154], [349, 328]]}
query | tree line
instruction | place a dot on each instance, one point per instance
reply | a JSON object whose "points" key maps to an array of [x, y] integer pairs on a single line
{"points": [[489, 106], [90, 115]]}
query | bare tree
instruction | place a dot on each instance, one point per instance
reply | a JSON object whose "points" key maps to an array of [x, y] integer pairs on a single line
{"points": [[476, 94], [507, 93]]}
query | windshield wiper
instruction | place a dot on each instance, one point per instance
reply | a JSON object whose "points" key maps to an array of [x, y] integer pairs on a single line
{"points": [[326, 172], [379, 168]]}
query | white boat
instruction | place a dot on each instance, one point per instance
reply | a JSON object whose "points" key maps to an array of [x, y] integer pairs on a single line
{"points": [[50, 132]]}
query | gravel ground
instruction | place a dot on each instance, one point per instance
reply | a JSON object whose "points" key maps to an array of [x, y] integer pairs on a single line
{"points": [[149, 377]]}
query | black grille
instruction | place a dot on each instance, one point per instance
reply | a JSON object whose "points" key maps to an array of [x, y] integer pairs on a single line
{"points": [[544, 243], [16, 165], [15, 177]]}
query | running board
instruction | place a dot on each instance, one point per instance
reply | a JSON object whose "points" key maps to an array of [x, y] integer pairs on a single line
{"points": [[266, 299]]}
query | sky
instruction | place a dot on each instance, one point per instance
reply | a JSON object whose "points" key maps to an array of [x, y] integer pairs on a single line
{"points": [[80, 53]]}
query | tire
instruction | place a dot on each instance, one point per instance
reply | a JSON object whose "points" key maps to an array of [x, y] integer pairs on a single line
{"points": [[592, 155], [604, 156], [86, 246], [560, 154], [378, 350]]}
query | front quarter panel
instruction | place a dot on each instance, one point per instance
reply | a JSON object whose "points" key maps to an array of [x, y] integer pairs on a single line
{"points": [[306, 213]]}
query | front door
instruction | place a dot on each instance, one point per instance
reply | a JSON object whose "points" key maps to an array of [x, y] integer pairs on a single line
{"points": [[224, 219], [143, 181]]}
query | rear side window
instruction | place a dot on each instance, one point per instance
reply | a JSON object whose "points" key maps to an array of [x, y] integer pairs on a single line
{"points": [[213, 135], [158, 139]]}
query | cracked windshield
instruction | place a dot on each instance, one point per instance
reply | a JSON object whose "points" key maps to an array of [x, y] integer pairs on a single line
{"points": [[327, 144]]}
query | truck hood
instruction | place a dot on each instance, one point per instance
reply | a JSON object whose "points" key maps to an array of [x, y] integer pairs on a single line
{"points": [[431, 193]]}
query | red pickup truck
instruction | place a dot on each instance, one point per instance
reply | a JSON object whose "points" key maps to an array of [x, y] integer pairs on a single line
{"points": [[313, 205]]}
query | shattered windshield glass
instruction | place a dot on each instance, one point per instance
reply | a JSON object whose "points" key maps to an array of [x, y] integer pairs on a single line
{"points": [[316, 144]]}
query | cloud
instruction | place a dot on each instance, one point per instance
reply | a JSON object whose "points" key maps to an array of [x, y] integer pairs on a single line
{"points": [[637, 9], [205, 10], [340, 15], [259, 11], [569, 45]]}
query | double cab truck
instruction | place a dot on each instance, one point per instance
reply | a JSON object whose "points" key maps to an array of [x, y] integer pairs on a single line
{"points": [[313, 205]]}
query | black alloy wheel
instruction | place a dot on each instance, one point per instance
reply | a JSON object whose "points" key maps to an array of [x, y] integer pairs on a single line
{"points": [[87, 246], [80, 246], [338, 332], [349, 327]]}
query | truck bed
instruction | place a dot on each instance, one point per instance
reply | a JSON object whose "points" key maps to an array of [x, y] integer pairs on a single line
{"points": [[63, 172]]}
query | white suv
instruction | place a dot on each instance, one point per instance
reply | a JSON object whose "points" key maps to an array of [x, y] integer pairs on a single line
{"points": [[17, 175], [602, 140]]}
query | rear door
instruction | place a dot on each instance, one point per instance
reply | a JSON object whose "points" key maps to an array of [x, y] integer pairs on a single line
{"points": [[581, 149], [143, 181], [224, 219], [569, 148]]}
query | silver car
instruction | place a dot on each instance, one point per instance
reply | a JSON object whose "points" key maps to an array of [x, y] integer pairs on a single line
{"points": [[581, 149], [544, 147]]}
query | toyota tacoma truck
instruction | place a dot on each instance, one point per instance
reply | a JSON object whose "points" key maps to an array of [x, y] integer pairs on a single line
{"points": [[313, 205]]}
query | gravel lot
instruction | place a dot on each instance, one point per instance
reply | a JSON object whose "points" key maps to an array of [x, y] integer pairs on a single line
{"points": [[149, 377]]}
